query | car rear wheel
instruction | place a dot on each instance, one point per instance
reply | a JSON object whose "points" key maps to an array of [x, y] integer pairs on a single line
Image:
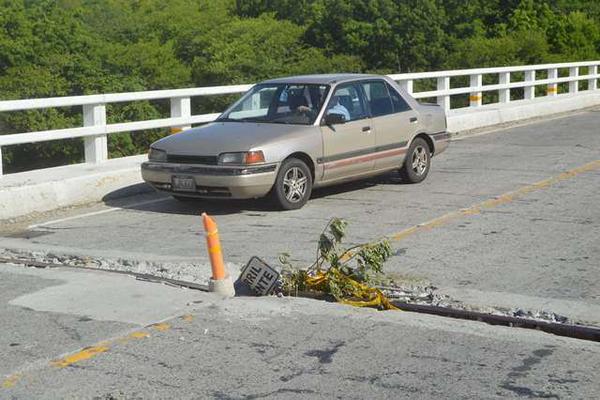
{"points": [[417, 162], [293, 185]]}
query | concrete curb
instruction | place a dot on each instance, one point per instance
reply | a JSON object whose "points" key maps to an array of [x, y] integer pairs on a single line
{"points": [[53, 188], [468, 119]]}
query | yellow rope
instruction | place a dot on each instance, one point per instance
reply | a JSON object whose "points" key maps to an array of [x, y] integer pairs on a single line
{"points": [[360, 294]]}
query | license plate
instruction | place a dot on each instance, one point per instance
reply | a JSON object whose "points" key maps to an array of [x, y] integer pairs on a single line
{"points": [[183, 183]]}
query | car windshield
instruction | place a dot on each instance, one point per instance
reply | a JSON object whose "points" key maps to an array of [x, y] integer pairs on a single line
{"points": [[278, 103]]}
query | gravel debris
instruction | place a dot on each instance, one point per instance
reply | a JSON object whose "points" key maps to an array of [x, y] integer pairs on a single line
{"points": [[190, 272], [427, 295], [200, 273]]}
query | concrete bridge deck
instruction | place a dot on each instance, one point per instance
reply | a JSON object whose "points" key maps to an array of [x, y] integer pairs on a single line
{"points": [[509, 218]]}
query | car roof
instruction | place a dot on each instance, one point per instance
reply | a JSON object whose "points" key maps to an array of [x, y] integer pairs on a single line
{"points": [[321, 79]]}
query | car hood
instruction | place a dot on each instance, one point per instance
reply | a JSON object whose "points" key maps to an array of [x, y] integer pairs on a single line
{"points": [[219, 137]]}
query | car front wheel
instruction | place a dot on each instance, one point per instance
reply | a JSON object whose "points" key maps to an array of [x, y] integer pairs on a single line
{"points": [[293, 185], [417, 162]]}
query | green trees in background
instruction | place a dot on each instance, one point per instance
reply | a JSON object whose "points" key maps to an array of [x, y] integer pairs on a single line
{"points": [[73, 47], [415, 35]]}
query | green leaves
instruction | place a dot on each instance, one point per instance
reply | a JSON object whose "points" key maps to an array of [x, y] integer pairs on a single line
{"points": [[330, 240], [73, 47], [337, 228], [370, 259], [346, 274], [326, 246], [247, 50], [362, 262], [421, 35]]}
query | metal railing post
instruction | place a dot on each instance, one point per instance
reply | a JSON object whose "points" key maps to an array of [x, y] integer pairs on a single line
{"points": [[593, 83], [1, 162], [443, 83], [475, 97], [407, 85], [552, 89], [530, 90], [96, 147], [504, 94], [573, 85], [180, 107]]}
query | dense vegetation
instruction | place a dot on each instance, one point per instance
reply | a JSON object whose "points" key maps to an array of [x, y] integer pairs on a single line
{"points": [[73, 47]]}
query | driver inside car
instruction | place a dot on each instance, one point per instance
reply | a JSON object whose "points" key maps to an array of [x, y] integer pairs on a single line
{"points": [[297, 104]]}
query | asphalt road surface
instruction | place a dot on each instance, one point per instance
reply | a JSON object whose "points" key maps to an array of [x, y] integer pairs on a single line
{"points": [[509, 218], [262, 348]]}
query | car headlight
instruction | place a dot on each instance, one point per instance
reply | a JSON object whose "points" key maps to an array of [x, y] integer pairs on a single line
{"points": [[157, 155], [242, 158]]}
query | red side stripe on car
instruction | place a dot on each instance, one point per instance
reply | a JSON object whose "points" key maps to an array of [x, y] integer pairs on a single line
{"points": [[361, 159]]}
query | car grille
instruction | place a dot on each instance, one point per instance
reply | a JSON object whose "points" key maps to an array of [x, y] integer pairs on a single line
{"points": [[187, 159], [201, 191]]}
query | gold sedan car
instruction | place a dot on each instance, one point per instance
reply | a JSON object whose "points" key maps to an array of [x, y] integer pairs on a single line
{"points": [[286, 136]]}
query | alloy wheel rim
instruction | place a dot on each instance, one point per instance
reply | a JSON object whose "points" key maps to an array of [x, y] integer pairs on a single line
{"points": [[294, 184], [419, 160]]}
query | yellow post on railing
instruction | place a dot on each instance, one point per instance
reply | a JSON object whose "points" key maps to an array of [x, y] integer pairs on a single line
{"points": [[475, 97], [552, 89], [181, 107]]}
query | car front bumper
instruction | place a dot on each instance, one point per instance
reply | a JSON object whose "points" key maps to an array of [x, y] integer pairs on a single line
{"points": [[211, 181]]}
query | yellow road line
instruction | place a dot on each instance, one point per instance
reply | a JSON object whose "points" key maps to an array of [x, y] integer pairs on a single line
{"points": [[99, 348], [87, 353], [11, 381], [500, 200], [161, 327], [139, 335], [84, 354]]}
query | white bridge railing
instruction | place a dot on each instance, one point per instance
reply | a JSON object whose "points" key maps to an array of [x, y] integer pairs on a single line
{"points": [[95, 129]]}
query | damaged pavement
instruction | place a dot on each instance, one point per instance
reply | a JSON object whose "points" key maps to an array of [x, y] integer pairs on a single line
{"points": [[269, 347]]}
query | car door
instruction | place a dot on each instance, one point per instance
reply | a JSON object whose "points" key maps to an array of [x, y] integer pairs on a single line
{"points": [[347, 146], [393, 122]]}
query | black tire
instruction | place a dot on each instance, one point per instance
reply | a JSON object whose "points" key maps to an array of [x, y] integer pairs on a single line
{"points": [[294, 176], [417, 162]]}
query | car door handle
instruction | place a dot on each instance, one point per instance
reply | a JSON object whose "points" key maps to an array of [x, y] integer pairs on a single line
{"points": [[414, 119], [366, 129]]}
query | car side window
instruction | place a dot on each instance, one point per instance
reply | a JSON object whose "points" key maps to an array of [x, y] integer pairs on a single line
{"points": [[398, 102], [347, 101], [378, 98]]}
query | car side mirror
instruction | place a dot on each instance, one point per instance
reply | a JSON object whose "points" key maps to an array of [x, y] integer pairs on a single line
{"points": [[334, 119]]}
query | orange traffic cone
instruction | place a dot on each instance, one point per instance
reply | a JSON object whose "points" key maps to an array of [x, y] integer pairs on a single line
{"points": [[220, 282]]}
